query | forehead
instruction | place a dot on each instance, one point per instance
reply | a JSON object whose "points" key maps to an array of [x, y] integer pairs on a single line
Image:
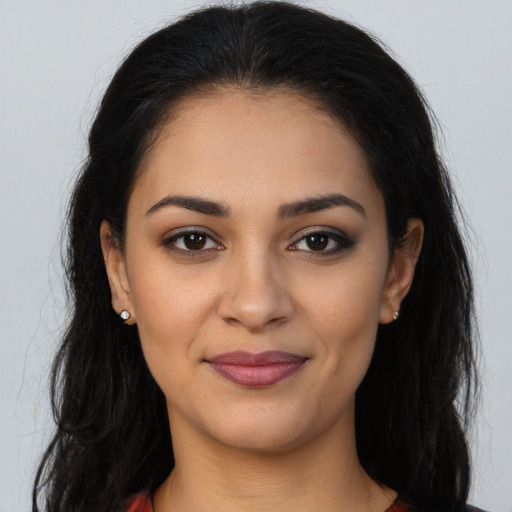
{"points": [[236, 145]]}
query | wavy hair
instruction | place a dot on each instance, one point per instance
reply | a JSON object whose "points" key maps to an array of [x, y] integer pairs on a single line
{"points": [[112, 438]]}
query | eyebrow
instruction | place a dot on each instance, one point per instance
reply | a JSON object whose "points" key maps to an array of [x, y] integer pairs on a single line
{"points": [[316, 204], [304, 206], [196, 204]]}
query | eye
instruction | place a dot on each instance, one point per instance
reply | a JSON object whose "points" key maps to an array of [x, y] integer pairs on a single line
{"points": [[323, 242], [191, 241]]}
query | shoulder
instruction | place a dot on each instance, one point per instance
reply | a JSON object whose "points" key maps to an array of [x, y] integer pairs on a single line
{"points": [[403, 505], [139, 503]]}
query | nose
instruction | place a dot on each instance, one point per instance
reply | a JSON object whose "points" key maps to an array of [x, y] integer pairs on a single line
{"points": [[255, 294]]}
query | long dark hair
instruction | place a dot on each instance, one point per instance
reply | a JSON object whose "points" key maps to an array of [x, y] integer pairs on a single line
{"points": [[112, 437]]}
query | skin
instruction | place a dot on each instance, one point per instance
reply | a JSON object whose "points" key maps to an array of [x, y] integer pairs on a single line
{"points": [[257, 285]]}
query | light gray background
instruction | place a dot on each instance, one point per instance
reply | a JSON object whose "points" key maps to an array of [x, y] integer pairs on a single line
{"points": [[56, 58]]}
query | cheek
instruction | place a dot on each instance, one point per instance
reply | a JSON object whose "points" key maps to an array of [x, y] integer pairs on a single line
{"points": [[170, 308], [344, 299], [342, 310]]}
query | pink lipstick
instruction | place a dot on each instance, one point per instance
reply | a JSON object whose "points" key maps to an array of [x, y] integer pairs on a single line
{"points": [[256, 370]]}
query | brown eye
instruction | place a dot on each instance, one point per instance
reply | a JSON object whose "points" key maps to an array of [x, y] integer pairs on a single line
{"points": [[317, 242], [191, 241], [194, 241], [324, 243]]}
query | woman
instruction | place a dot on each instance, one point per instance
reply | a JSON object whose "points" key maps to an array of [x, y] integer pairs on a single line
{"points": [[266, 268]]}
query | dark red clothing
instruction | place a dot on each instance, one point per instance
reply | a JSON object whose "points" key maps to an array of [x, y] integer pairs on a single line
{"points": [[142, 503]]}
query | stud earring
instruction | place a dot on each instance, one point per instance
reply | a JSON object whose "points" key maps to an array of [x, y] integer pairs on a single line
{"points": [[124, 315], [395, 316]]}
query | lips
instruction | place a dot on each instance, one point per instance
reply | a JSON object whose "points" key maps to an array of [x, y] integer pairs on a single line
{"points": [[256, 370]]}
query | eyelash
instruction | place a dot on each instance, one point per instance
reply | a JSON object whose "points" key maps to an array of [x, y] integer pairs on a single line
{"points": [[343, 243], [169, 243]]}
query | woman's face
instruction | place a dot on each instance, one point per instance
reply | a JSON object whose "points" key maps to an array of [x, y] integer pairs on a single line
{"points": [[257, 269]]}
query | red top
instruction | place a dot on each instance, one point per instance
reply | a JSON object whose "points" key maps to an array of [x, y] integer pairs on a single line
{"points": [[142, 503]]}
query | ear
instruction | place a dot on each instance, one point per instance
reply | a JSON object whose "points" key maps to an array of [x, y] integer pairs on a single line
{"points": [[116, 271], [401, 272]]}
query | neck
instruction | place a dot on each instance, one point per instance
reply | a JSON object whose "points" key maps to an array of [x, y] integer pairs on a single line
{"points": [[323, 475]]}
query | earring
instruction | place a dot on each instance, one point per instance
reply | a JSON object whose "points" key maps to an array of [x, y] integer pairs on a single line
{"points": [[395, 316], [124, 315]]}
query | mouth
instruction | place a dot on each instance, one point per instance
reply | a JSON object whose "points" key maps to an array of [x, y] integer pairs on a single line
{"points": [[257, 370]]}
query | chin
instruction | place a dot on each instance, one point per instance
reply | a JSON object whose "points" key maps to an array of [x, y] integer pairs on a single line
{"points": [[264, 440], [266, 431]]}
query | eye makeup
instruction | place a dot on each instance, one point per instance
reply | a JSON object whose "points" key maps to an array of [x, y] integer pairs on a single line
{"points": [[190, 242], [319, 242]]}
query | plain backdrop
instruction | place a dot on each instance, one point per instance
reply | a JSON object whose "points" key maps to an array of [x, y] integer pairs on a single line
{"points": [[56, 58]]}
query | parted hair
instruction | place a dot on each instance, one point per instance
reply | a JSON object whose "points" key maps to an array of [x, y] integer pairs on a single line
{"points": [[112, 436]]}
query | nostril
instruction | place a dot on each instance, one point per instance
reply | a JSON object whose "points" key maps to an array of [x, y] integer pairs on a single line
{"points": [[255, 317], [255, 294]]}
